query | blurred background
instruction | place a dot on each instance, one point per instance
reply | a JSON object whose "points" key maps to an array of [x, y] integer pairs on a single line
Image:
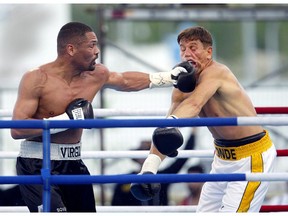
{"points": [[250, 39]]}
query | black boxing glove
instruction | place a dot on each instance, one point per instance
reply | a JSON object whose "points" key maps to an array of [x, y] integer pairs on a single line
{"points": [[80, 109], [167, 140], [145, 191], [187, 65], [186, 82], [76, 110]]}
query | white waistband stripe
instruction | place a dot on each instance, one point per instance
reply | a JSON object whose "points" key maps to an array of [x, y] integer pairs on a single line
{"points": [[30, 149]]}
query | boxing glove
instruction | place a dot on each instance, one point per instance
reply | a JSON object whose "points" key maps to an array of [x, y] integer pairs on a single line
{"points": [[80, 109], [186, 82], [166, 79], [76, 110], [145, 191], [167, 140]]}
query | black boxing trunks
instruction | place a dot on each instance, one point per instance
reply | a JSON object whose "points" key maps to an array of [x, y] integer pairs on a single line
{"points": [[65, 160]]}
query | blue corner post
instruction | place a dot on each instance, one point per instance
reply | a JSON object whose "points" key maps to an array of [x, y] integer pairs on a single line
{"points": [[46, 167]]}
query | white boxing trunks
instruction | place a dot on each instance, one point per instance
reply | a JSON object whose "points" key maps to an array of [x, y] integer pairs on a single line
{"points": [[31, 149], [252, 154]]}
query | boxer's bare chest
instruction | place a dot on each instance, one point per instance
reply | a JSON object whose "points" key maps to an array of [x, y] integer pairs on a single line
{"points": [[56, 94]]}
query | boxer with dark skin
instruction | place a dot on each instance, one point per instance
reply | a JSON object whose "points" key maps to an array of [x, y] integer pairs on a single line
{"points": [[46, 91], [49, 93]]}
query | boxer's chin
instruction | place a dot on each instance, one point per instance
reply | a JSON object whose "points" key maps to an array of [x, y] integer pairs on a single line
{"points": [[92, 66]]}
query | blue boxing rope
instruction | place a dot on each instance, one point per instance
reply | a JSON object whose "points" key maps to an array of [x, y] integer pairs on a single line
{"points": [[28, 179], [129, 178], [116, 123], [162, 178], [170, 178], [121, 178], [166, 178], [46, 179]]}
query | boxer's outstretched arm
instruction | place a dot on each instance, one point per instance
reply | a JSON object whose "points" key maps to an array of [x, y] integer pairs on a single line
{"points": [[128, 81], [135, 80]]}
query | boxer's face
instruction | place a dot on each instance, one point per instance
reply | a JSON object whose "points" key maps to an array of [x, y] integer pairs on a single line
{"points": [[87, 52], [195, 52]]}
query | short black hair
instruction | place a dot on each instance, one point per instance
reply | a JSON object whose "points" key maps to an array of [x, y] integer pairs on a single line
{"points": [[71, 32]]}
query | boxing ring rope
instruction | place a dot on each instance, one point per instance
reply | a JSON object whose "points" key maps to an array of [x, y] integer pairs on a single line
{"points": [[137, 154], [151, 122], [160, 112], [127, 209], [46, 179], [128, 178], [118, 209]]}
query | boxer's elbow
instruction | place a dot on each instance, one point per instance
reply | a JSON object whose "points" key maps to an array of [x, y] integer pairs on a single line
{"points": [[15, 134], [19, 134]]}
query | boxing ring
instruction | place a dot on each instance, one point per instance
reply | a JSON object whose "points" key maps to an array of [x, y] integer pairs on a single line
{"points": [[47, 179]]}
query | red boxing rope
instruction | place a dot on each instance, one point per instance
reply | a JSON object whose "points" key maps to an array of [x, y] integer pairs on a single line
{"points": [[272, 110], [274, 208], [282, 152]]}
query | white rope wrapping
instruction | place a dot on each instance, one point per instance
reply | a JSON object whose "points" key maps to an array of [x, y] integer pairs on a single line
{"points": [[116, 209], [110, 112], [129, 112], [267, 176], [275, 121], [146, 208], [122, 154]]}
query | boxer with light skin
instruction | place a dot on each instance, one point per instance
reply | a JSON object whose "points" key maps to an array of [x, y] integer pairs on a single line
{"points": [[239, 149]]}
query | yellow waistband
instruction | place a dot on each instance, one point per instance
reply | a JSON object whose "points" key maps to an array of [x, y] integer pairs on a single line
{"points": [[237, 153]]}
